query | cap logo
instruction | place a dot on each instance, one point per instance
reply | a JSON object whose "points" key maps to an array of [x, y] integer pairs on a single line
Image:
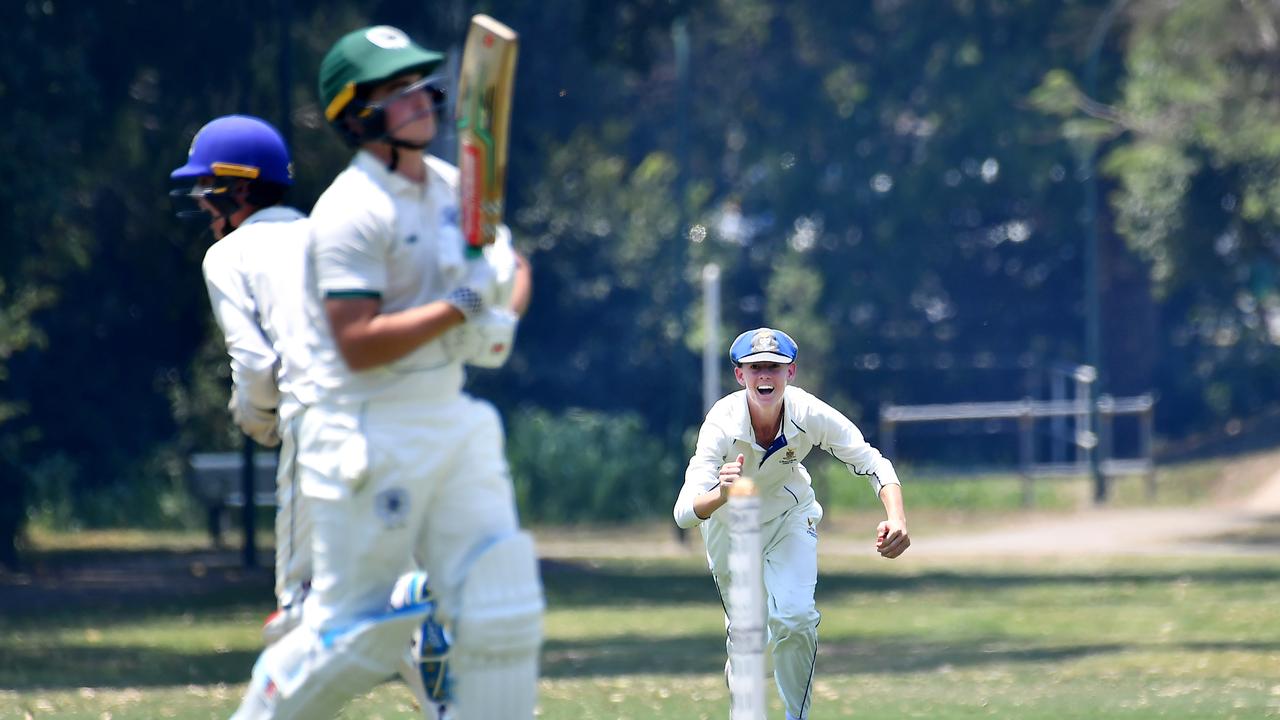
{"points": [[387, 37], [764, 342]]}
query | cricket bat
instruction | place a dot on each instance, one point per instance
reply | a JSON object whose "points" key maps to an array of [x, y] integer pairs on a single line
{"points": [[483, 113]]}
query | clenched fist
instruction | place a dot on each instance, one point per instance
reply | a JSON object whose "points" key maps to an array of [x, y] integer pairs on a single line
{"points": [[892, 539]]}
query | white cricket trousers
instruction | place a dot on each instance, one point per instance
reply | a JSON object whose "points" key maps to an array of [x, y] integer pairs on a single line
{"points": [[293, 522], [390, 485], [790, 564]]}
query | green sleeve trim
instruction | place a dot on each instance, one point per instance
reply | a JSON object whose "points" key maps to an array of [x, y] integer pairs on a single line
{"points": [[352, 294]]}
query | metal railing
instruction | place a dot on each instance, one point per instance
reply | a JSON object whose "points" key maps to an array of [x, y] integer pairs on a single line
{"points": [[1026, 412]]}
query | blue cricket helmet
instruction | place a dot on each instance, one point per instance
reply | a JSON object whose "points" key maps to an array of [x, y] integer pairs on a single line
{"points": [[238, 146]]}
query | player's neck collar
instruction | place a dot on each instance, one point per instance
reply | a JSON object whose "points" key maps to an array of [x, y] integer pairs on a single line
{"points": [[393, 181]]}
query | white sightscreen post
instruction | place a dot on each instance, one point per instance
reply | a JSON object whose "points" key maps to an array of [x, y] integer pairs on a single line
{"points": [[711, 335]]}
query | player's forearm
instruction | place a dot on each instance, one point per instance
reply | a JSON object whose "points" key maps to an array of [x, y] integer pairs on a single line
{"points": [[709, 502], [891, 498], [371, 340]]}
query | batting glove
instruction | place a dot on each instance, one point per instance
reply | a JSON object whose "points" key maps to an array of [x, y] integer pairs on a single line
{"points": [[261, 425], [485, 340], [476, 291]]}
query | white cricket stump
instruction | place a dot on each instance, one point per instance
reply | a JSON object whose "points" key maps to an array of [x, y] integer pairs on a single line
{"points": [[745, 604]]}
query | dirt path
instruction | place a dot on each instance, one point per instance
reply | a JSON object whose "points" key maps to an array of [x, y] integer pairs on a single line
{"points": [[1245, 524], [1250, 526], [1242, 524]]}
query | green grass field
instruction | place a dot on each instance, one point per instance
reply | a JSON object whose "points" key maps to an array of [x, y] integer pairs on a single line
{"points": [[1133, 638]]}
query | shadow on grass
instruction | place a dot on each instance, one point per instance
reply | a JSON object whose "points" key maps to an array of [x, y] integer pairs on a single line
{"points": [[103, 666], [1266, 533], [122, 586], [60, 586], [581, 585], [141, 586], [630, 654], [65, 667]]}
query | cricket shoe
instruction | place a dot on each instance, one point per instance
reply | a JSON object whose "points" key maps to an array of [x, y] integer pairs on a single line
{"points": [[429, 643]]}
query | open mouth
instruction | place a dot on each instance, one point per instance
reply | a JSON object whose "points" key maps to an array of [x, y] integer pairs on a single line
{"points": [[765, 390]]}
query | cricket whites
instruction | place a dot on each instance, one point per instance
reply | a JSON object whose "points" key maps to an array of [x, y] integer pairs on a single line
{"points": [[483, 115], [746, 604]]}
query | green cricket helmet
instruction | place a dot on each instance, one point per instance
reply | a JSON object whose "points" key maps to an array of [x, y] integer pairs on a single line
{"points": [[362, 59]]}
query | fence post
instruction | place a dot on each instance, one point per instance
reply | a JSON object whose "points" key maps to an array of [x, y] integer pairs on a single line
{"points": [[1106, 421], [885, 441], [1083, 430], [248, 489], [1026, 452], [1058, 423], [1147, 430]]}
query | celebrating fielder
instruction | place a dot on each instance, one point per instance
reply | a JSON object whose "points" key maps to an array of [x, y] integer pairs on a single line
{"points": [[399, 467], [765, 431]]}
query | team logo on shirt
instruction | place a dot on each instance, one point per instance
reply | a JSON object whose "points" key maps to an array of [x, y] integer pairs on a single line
{"points": [[789, 457], [392, 506], [812, 529]]}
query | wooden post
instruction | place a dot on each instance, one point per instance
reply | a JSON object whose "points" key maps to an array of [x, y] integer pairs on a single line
{"points": [[885, 441], [1026, 453], [1145, 441], [1106, 420], [248, 512]]}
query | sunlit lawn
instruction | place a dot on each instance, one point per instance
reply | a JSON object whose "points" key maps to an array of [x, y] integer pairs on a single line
{"points": [[644, 639]]}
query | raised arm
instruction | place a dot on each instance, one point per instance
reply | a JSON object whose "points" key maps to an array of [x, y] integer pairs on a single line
{"points": [[706, 480]]}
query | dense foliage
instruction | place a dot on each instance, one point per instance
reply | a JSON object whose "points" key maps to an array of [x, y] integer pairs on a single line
{"points": [[897, 183]]}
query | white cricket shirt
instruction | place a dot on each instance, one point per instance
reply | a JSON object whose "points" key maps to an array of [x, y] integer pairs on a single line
{"points": [[782, 482], [255, 280], [378, 234]]}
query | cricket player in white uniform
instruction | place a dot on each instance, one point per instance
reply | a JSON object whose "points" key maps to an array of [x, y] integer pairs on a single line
{"points": [[400, 468], [240, 169], [764, 432]]}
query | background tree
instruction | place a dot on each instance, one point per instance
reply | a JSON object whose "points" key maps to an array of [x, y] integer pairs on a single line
{"points": [[1194, 150], [882, 179]]}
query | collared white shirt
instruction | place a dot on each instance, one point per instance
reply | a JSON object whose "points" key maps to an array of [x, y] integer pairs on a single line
{"points": [[255, 280], [781, 479], [379, 234]]}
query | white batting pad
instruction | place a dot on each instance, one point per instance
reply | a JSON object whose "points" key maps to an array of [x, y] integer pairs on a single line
{"points": [[304, 676], [498, 632]]}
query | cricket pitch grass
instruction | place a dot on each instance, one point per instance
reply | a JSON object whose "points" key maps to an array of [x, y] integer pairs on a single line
{"points": [[172, 631]]}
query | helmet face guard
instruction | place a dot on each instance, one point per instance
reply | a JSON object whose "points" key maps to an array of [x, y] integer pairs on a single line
{"points": [[362, 122], [225, 153], [219, 195]]}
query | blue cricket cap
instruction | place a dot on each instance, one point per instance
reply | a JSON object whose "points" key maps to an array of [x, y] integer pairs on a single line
{"points": [[763, 345]]}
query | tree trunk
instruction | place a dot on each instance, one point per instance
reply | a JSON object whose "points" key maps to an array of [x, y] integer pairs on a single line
{"points": [[13, 509]]}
